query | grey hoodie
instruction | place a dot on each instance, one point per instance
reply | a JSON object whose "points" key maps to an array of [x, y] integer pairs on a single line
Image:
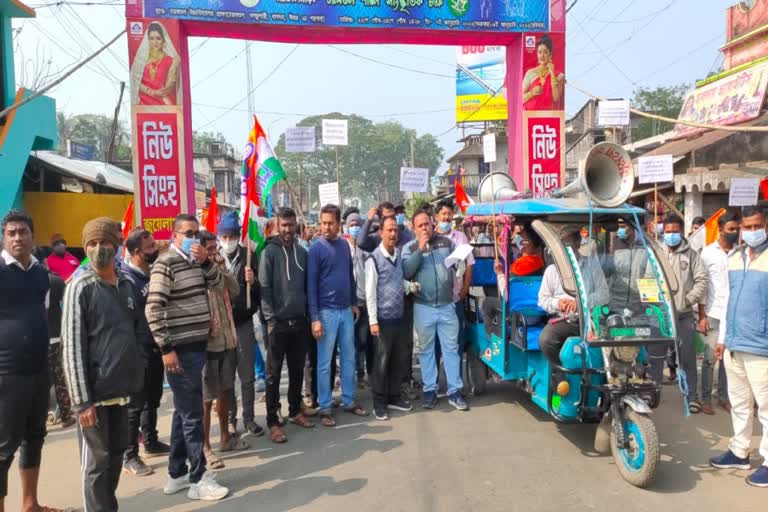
{"points": [[282, 276]]}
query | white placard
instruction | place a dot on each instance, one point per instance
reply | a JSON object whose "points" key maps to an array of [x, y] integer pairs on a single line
{"points": [[300, 139], [414, 179], [744, 191], [489, 147], [335, 132], [329, 194], [613, 113], [655, 169]]}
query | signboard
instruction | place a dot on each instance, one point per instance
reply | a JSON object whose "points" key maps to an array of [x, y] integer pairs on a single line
{"points": [[155, 74], [543, 72], [329, 193], [613, 113], [543, 152], [81, 151], [655, 169], [300, 140], [489, 147], [744, 192], [480, 92], [731, 100], [335, 132], [414, 179], [446, 15]]}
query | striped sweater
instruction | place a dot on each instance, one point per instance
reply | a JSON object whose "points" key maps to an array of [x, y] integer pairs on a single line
{"points": [[177, 305]]}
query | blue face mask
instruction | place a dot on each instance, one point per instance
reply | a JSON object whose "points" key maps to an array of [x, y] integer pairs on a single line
{"points": [[622, 233], [519, 241], [754, 238], [673, 239], [400, 219], [445, 227], [354, 231], [187, 243]]}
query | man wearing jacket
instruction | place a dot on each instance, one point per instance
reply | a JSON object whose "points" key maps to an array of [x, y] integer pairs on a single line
{"points": [[745, 351], [235, 260], [102, 364], [282, 276], [142, 411], [363, 344], [434, 312], [628, 264], [368, 241], [692, 288]]}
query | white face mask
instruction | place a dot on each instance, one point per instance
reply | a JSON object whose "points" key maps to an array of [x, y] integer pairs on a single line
{"points": [[228, 246]]}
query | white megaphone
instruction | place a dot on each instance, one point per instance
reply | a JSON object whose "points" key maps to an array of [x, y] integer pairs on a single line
{"points": [[606, 176], [496, 186]]}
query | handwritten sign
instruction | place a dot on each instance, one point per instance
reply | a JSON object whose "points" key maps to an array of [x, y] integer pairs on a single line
{"points": [[300, 139], [655, 169], [489, 147], [744, 191], [335, 132], [613, 113], [329, 193], [414, 179]]}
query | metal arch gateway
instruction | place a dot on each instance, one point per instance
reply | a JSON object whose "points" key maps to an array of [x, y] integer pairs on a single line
{"points": [[161, 113]]}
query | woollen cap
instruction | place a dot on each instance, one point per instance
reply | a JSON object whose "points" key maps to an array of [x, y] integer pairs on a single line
{"points": [[102, 228], [229, 224]]}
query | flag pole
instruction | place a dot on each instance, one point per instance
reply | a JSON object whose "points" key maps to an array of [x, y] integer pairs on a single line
{"points": [[493, 220], [656, 210], [338, 179]]}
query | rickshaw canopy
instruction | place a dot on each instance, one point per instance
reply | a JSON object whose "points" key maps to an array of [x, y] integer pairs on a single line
{"points": [[544, 207]]}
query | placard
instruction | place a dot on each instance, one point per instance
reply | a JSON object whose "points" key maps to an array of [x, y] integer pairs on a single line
{"points": [[648, 290], [744, 191], [301, 139], [329, 193], [335, 132], [489, 147], [414, 179], [613, 113], [655, 169]]}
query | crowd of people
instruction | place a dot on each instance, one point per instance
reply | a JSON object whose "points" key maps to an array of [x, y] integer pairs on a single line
{"points": [[349, 301]]}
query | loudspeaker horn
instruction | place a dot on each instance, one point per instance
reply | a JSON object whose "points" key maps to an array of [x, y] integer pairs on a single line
{"points": [[496, 186], [606, 176]]}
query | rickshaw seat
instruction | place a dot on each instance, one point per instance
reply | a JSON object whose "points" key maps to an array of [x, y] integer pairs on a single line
{"points": [[483, 273], [528, 319]]}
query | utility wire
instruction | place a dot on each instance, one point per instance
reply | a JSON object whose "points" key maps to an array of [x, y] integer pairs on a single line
{"points": [[227, 63], [573, 4], [388, 64], [305, 114]]}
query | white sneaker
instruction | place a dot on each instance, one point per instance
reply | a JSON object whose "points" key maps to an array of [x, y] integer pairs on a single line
{"points": [[175, 485], [207, 489]]}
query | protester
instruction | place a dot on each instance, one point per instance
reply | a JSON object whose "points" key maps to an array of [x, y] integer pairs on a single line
{"points": [[282, 276], [434, 312], [332, 308], [142, 410], [697, 223], [628, 264], [178, 315], [102, 364], [60, 261], [714, 258], [385, 303], [368, 241], [363, 346], [307, 237], [221, 357], [236, 262], [24, 384], [745, 351], [401, 218]]}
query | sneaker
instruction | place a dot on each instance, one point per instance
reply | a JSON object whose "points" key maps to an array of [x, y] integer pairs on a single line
{"points": [[174, 485], [430, 400], [400, 405], [380, 413], [156, 449], [759, 478], [729, 460], [207, 489], [136, 467], [261, 386], [253, 427], [458, 402]]}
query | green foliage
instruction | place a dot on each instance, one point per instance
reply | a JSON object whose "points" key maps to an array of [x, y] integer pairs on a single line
{"points": [[370, 164], [664, 100], [201, 141], [93, 129]]}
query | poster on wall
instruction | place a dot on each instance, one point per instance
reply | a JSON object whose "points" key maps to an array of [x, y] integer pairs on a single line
{"points": [[543, 152], [543, 71], [480, 91]]}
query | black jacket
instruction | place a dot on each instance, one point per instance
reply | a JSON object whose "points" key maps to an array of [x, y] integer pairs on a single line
{"points": [[140, 282], [236, 264], [100, 354], [55, 299], [282, 275]]}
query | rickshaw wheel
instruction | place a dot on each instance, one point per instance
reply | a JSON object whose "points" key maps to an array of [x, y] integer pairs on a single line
{"points": [[637, 463], [477, 373]]}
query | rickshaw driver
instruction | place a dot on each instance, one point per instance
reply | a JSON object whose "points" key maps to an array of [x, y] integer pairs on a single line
{"points": [[556, 301]]}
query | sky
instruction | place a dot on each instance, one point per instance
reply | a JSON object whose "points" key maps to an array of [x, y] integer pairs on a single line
{"points": [[613, 47]]}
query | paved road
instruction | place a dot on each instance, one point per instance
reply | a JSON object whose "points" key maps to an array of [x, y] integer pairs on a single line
{"points": [[502, 455]]}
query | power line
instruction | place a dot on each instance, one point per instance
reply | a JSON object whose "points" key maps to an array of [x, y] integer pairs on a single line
{"points": [[227, 63], [388, 64], [472, 114], [423, 57], [199, 47], [607, 57], [625, 9], [306, 114], [573, 4], [60, 3], [94, 34]]}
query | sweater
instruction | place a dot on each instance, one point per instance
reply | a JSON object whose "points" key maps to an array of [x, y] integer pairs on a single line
{"points": [[23, 319], [177, 305], [384, 287], [283, 279], [330, 281], [746, 327], [140, 282]]}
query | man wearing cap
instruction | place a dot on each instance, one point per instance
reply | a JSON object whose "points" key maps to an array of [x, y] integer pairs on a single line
{"points": [[101, 361], [363, 347], [60, 261]]}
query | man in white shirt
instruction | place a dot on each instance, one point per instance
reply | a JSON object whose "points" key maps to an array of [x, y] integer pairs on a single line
{"points": [[715, 260]]}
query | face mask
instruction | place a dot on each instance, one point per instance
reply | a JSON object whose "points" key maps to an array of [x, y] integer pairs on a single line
{"points": [[754, 238], [445, 227], [732, 238], [400, 219], [354, 231], [101, 256], [151, 257], [519, 241], [622, 233], [673, 239], [187, 243], [229, 246]]}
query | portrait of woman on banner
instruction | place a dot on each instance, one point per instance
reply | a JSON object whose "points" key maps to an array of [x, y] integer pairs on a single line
{"points": [[155, 69], [543, 85]]}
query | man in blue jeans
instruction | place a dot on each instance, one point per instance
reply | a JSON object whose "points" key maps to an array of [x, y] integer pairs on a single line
{"points": [[434, 312], [332, 298]]}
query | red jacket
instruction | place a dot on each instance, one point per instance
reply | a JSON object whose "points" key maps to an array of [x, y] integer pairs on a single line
{"points": [[63, 266]]}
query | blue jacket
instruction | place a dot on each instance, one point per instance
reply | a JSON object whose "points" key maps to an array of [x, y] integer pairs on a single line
{"points": [[747, 323], [428, 269]]}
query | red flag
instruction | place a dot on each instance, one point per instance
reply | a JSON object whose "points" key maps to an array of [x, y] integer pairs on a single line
{"points": [[212, 221], [128, 220], [462, 199]]}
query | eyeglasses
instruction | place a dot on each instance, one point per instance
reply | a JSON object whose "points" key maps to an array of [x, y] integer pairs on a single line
{"points": [[189, 234]]}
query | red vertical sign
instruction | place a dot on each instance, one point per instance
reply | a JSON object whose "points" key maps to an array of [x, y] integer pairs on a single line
{"points": [[545, 158]]}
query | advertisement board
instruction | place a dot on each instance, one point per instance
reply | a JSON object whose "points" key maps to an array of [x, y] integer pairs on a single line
{"points": [[480, 91], [543, 71], [731, 100], [446, 15], [544, 152], [153, 56]]}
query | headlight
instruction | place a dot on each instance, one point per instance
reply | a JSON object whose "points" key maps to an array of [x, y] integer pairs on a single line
{"points": [[626, 354]]}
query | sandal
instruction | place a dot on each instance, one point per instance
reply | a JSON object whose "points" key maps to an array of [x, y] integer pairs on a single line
{"points": [[213, 461], [694, 406], [277, 435], [327, 420], [357, 410], [235, 444], [301, 421]]}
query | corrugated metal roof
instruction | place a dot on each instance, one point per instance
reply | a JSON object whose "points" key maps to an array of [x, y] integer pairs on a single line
{"points": [[91, 171]]}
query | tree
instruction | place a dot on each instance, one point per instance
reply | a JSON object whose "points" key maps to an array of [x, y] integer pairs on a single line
{"points": [[665, 101], [201, 142], [369, 165], [93, 129]]}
